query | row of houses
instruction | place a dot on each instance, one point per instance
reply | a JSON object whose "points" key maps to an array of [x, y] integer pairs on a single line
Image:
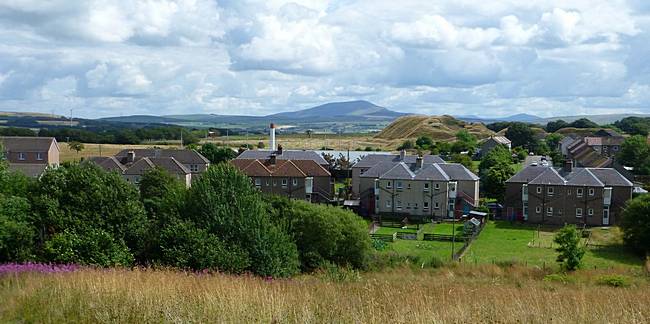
{"points": [[388, 185]]}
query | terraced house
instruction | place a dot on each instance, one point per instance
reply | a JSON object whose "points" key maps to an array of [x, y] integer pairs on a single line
{"points": [[30, 155], [419, 190], [293, 174], [547, 195]]}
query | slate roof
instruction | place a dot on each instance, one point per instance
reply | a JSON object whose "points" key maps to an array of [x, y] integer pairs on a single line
{"points": [[457, 171], [526, 175], [583, 177], [399, 171], [145, 164], [499, 139], [286, 155], [108, 163], [30, 170], [183, 156], [432, 172], [371, 160], [548, 177], [27, 144], [591, 177], [311, 168]]}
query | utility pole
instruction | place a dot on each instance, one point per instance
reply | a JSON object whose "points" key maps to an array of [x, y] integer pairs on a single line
{"points": [[181, 138], [70, 117]]}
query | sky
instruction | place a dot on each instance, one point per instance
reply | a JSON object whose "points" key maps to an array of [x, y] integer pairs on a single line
{"points": [[461, 57]]}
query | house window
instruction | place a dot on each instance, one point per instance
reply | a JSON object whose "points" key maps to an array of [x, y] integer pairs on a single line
{"points": [[398, 204], [408, 205], [549, 211], [21, 156], [416, 206], [579, 192], [590, 212], [39, 156], [284, 183], [538, 210], [436, 186], [615, 148], [408, 186], [398, 185], [550, 191], [194, 168], [592, 191], [436, 205], [425, 205], [389, 185], [568, 192], [275, 183], [426, 187], [388, 204], [294, 182], [539, 189], [267, 182], [258, 182], [579, 212]]}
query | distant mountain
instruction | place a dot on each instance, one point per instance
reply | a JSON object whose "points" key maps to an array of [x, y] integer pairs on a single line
{"points": [[359, 109], [351, 111]]}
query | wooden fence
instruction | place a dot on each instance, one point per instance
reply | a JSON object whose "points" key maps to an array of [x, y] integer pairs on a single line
{"points": [[384, 237], [444, 237]]}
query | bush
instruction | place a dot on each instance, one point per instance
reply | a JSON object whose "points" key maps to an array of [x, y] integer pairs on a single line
{"points": [[185, 246], [16, 233], [324, 233], [614, 281], [91, 247], [635, 224], [224, 203], [379, 245]]}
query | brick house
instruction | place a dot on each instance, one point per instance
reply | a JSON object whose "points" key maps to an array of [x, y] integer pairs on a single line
{"points": [[547, 195], [31, 155], [299, 179]]}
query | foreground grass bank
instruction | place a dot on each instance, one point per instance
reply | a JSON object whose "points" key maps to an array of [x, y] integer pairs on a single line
{"points": [[484, 293]]}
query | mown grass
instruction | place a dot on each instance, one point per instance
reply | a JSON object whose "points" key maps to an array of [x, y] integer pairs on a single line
{"points": [[502, 241], [453, 294]]}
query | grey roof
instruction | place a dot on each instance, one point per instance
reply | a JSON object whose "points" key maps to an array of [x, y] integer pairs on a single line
{"points": [[399, 171], [611, 177], [27, 144], [183, 156], [592, 177], [527, 174], [499, 139], [549, 177], [30, 170], [373, 159], [431, 172], [378, 170], [457, 171], [168, 164], [108, 163], [286, 155], [583, 177]]}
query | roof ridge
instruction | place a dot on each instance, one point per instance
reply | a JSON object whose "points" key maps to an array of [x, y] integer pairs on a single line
{"points": [[299, 169], [445, 175]]}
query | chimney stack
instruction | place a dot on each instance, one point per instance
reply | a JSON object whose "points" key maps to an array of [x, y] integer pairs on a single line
{"points": [[279, 149], [130, 156], [272, 139], [402, 155], [273, 159], [568, 165], [418, 162]]}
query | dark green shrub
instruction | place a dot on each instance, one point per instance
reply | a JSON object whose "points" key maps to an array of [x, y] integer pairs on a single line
{"points": [[91, 247], [16, 233]]}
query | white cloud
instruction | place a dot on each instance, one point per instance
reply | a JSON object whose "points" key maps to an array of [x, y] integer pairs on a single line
{"points": [[252, 56]]}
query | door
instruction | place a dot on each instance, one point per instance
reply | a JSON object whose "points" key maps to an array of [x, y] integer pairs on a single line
{"points": [[606, 216]]}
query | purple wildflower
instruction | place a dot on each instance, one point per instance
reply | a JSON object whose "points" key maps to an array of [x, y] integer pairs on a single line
{"points": [[9, 268]]}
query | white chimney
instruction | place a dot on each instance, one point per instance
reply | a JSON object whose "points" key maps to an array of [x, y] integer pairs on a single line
{"points": [[272, 139]]}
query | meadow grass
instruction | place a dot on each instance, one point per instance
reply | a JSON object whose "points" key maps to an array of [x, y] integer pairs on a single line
{"points": [[452, 294]]}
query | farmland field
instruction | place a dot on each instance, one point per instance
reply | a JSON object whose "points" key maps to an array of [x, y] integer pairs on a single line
{"points": [[99, 150], [458, 294]]}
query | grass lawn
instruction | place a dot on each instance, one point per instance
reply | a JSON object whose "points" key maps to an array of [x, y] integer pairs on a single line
{"points": [[424, 250], [502, 241]]}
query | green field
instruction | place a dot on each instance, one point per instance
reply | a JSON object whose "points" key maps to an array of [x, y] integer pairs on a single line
{"points": [[505, 242]]}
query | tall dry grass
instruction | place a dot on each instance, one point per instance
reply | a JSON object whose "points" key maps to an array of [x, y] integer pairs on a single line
{"points": [[462, 294]]}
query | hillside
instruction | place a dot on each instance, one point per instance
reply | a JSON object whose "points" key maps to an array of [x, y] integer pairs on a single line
{"points": [[438, 127]]}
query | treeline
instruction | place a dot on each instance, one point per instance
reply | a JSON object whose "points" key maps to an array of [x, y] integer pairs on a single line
{"points": [[81, 214], [550, 127], [111, 135]]}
